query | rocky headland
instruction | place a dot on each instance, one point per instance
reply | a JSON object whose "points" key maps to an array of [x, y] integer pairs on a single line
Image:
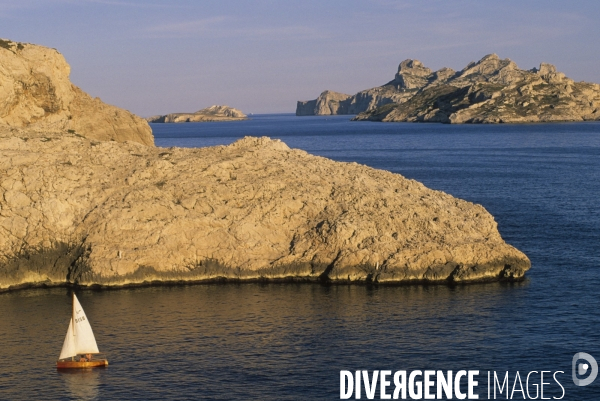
{"points": [[209, 114], [492, 90], [110, 213], [76, 209]]}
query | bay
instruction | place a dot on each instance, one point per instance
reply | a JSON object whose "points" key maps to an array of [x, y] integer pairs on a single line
{"points": [[289, 341]]}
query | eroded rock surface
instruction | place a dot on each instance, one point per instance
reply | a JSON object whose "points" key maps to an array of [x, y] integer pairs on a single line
{"points": [[212, 113], [36, 93], [78, 210]]}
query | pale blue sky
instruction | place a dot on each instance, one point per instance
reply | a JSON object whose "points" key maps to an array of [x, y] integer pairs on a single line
{"points": [[155, 57]]}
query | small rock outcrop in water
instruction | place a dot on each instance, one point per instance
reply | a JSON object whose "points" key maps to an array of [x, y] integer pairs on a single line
{"points": [[111, 213], [212, 113], [493, 90], [35, 92]]}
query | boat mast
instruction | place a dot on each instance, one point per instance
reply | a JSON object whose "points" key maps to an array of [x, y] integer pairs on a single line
{"points": [[73, 319], [73, 313]]}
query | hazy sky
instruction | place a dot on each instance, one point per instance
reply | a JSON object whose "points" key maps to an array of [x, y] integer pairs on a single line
{"points": [[156, 57]]}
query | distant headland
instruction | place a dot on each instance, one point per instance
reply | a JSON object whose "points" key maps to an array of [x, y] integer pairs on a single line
{"points": [[209, 114], [492, 90], [87, 199]]}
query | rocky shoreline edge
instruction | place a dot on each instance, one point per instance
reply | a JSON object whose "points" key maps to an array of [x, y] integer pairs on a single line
{"points": [[63, 267], [221, 280]]}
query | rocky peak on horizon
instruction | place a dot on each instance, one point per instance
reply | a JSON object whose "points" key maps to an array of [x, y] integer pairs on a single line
{"points": [[481, 80], [490, 68], [411, 74], [495, 90], [545, 69]]}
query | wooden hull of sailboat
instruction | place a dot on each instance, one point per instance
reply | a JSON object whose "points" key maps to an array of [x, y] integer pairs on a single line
{"points": [[100, 363]]}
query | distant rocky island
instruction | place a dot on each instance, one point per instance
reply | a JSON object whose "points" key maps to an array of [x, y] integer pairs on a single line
{"points": [[209, 114], [87, 199], [492, 90]]}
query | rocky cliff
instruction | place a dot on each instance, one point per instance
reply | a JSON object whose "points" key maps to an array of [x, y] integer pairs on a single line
{"points": [[405, 84], [327, 103], [35, 92], [496, 91], [332, 103], [212, 113], [77, 210], [492, 90]]}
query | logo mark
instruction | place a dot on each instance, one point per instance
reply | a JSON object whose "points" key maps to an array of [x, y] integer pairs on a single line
{"points": [[582, 368]]}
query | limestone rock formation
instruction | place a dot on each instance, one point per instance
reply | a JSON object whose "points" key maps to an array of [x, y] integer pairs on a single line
{"points": [[497, 91], [332, 103], [74, 209], [35, 92], [412, 74], [410, 77], [492, 90], [327, 103], [212, 113]]}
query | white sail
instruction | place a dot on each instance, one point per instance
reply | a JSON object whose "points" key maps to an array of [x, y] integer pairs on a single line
{"points": [[80, 337], [68, 349]]}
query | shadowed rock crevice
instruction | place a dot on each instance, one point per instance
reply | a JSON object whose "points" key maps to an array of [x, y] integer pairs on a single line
{"points": [[61, 262], [325, 275]]}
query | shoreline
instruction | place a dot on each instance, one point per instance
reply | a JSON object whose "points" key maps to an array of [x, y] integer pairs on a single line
{"points": [[221, 280]]}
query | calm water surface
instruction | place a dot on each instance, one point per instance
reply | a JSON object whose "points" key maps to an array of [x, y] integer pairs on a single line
{"points": [[288, 342]]}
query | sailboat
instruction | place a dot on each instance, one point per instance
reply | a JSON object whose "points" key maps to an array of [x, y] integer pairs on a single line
{"points": [[80, 343]]}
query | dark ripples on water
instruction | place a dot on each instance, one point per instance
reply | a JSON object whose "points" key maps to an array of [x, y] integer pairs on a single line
{"points": [[280, 342]]}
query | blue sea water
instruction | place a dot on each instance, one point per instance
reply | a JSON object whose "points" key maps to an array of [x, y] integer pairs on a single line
{"points": [[289, 341]]}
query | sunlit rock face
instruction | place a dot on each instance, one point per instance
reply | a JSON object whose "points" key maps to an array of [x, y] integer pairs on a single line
{"points": [[36, 93], [75, 209]]}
